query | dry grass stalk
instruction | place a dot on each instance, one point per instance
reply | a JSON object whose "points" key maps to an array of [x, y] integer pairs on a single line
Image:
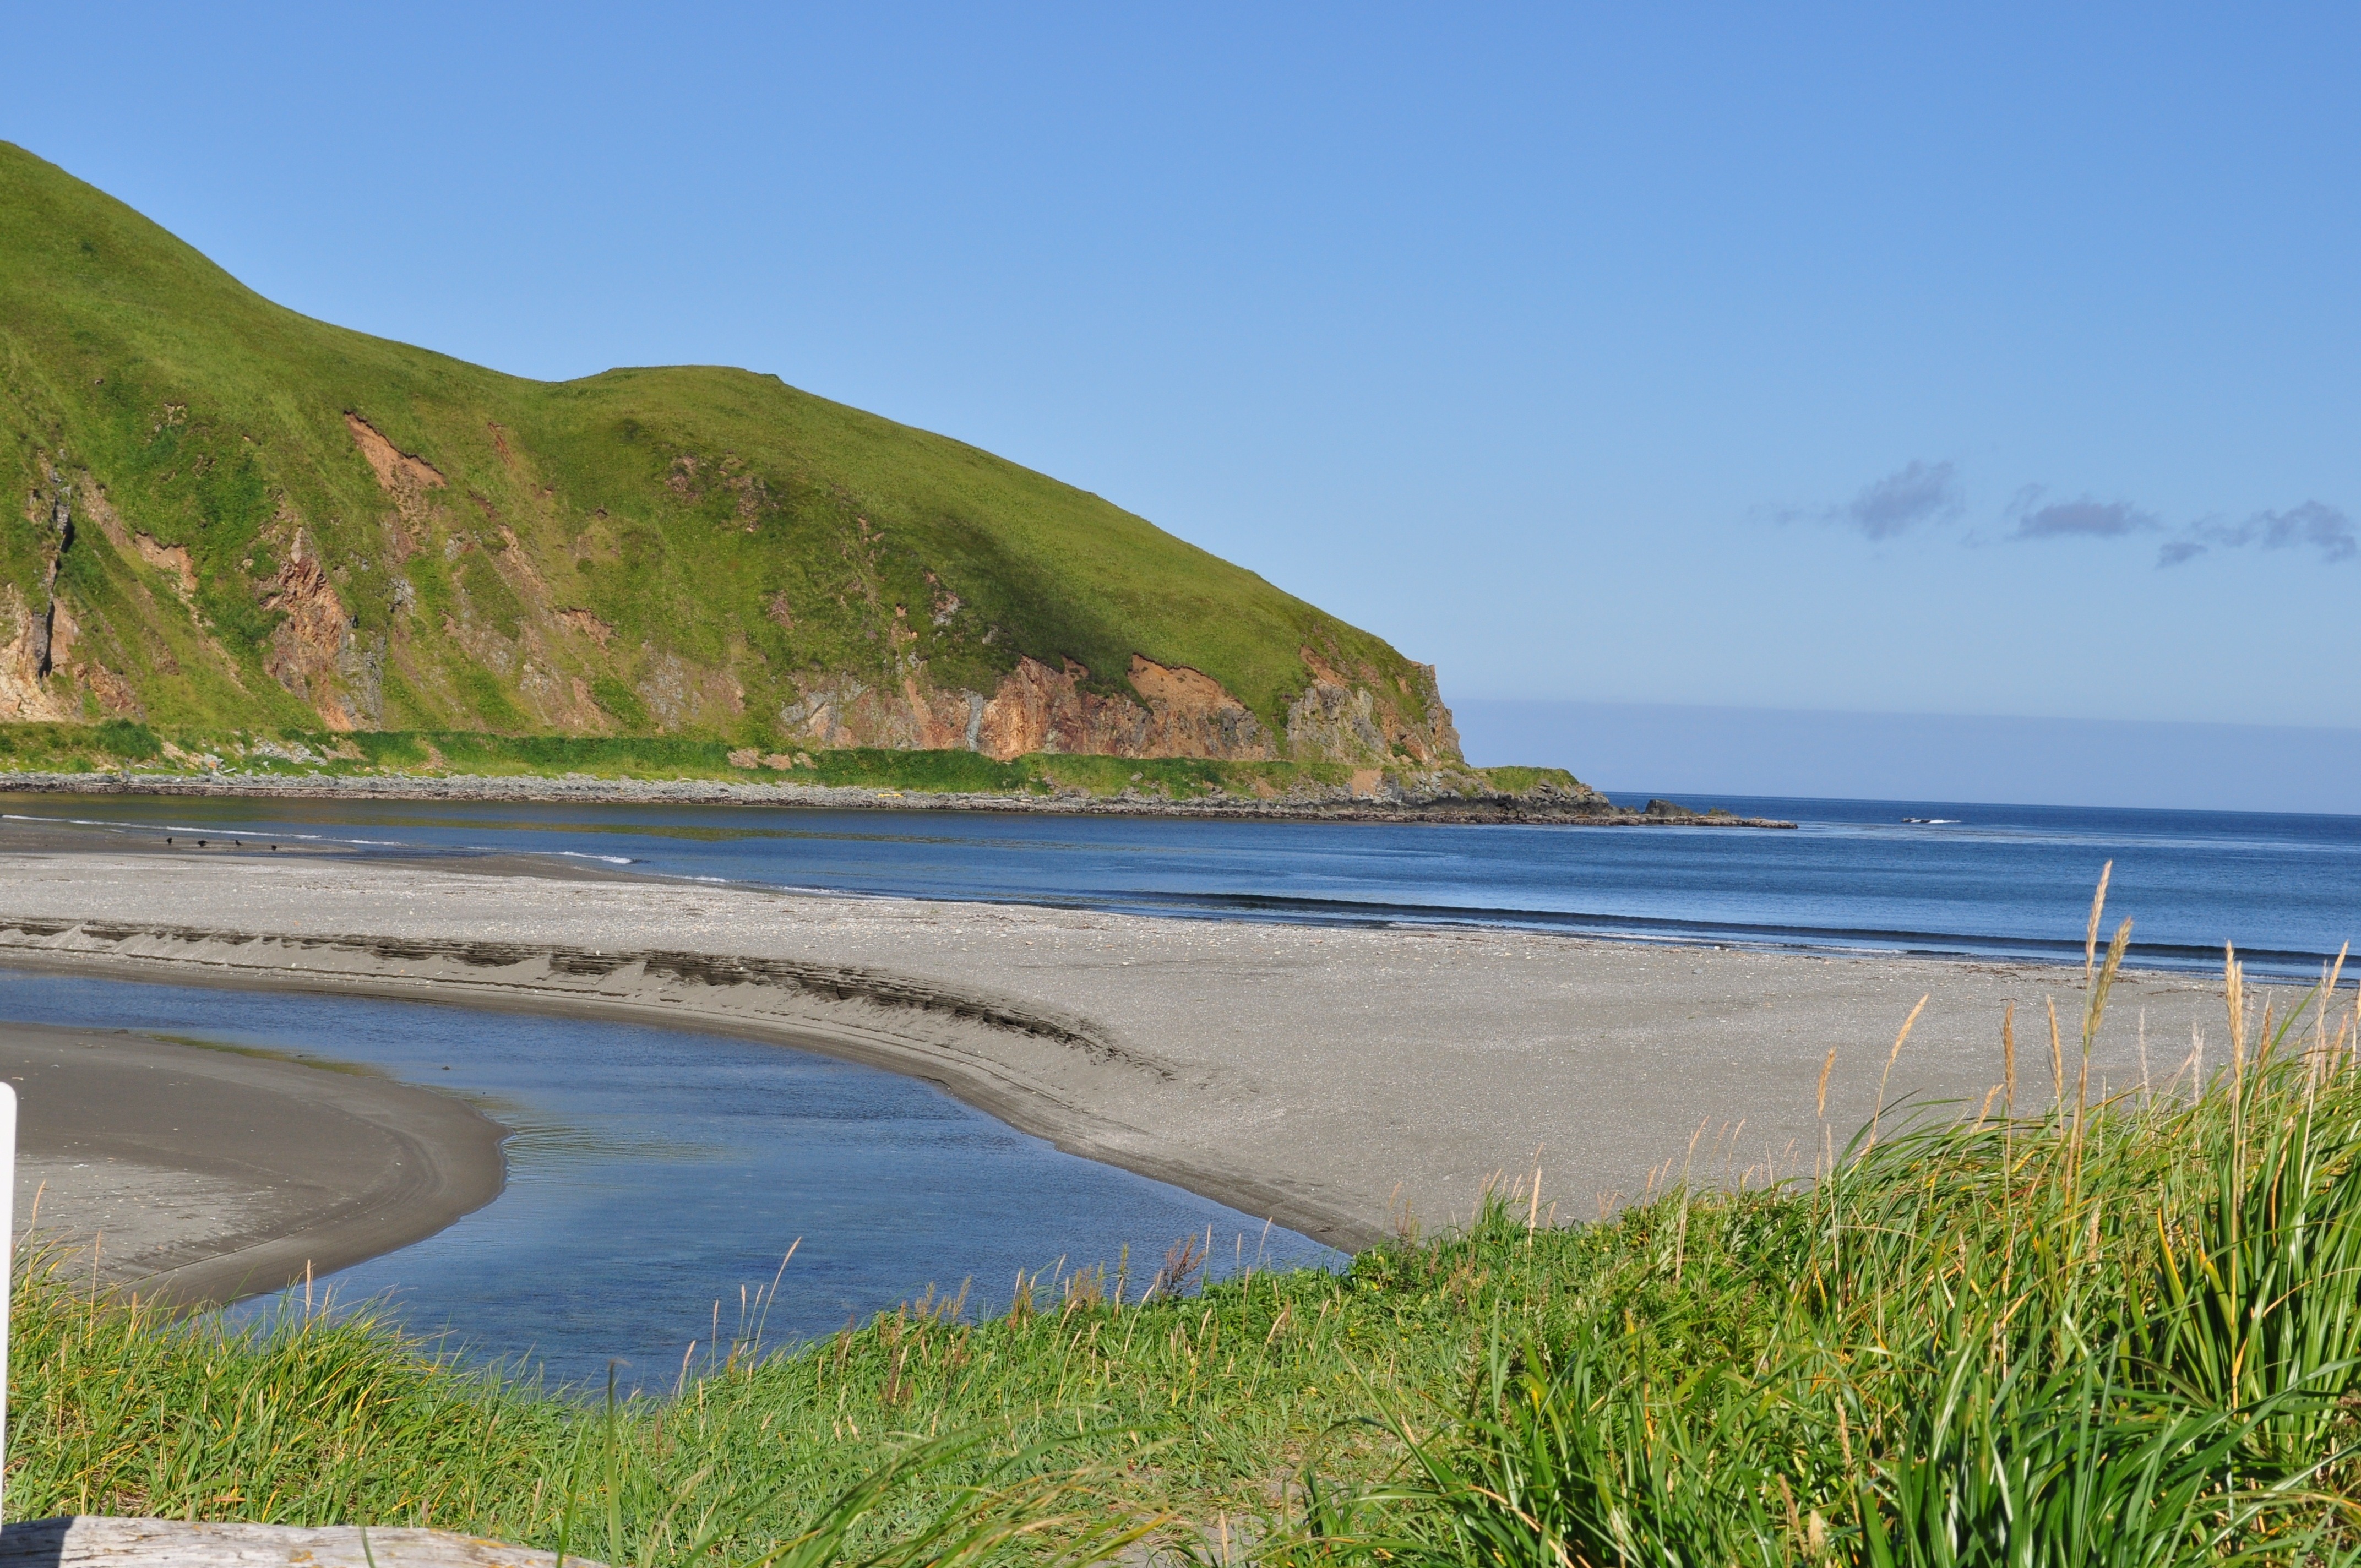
{"points": [[2057, 1055], [2091, 937], [1892, 1057], [2008, 1054], [1534, 1206]]}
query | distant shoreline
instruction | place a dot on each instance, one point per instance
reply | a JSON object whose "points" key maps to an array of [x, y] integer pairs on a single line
{"points": [[587, 790]]}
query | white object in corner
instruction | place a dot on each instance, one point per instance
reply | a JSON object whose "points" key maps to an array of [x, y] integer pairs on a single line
{"points": [[7, 1246]]}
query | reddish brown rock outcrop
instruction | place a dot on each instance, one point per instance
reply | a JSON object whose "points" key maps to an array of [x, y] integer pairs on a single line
{"points": [[405, 481], [23, 646], [1178, 712], [171, 558], [396, 470], [36, 639], [314, 645], [838, 710], [1192, 715], [1037, 708]]}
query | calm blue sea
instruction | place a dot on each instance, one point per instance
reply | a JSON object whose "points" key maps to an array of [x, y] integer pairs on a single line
{"points": [[1966, 880], [654, 1172]]}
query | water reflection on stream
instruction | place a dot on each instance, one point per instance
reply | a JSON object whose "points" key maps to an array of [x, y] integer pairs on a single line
{"points": [[654, 1172]]}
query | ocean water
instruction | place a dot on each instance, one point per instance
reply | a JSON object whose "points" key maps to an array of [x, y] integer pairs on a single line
{"points": [[654, 1172], [1930, 877]]}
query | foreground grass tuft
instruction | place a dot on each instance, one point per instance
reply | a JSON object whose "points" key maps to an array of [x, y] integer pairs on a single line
{"points": [[2127, 1333]]}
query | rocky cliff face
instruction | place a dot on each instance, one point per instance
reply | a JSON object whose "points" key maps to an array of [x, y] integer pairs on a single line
{"points": [[1340, 715], [313, 651], [502, 612], [1344, 717], [42, 676], [1176, 712]]}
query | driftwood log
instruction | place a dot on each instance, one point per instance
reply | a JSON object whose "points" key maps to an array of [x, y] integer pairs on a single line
{"points": [[85, 1541]]}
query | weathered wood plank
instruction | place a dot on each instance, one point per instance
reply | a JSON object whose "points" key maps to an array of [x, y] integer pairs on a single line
{"points": [[90, 1541]]}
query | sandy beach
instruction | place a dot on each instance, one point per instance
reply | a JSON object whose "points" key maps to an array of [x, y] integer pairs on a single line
{"points": [[194, 1175], [1331, 1079]]}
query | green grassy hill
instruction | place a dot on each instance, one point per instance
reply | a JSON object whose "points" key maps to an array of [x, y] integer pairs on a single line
{"points": [[237, 517]]}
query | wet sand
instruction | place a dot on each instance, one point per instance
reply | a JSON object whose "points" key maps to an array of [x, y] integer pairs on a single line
{"points": [[194, 1176], [1330, 1080]]}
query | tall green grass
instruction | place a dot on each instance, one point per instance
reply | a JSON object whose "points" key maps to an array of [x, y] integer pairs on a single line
{"points": [[329, 1418], [2121, 1332]]}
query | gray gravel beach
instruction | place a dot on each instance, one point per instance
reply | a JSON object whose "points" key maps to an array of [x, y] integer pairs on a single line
{"points": [[1333, 1080]]}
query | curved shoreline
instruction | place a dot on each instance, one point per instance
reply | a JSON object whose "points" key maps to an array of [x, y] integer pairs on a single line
{"points": [[870, 1017], [1338, 1081], [198, 1175]]}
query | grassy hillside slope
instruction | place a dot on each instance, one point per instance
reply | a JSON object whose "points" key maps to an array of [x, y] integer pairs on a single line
{"points": [[233, 515]]}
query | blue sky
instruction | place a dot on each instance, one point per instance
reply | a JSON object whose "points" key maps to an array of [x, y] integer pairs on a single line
{"points": [[1966, 361]]}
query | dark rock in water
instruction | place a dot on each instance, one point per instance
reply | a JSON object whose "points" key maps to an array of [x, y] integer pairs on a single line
{"points": [[1670, 811]]}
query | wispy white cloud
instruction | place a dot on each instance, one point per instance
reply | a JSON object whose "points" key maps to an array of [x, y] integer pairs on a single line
{"points": [[1918, 492], [2084, 519], [1922, 494], [2314, 525]]}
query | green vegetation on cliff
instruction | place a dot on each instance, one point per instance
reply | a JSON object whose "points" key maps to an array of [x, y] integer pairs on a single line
{"points": [[234, 516], [141, 756]]}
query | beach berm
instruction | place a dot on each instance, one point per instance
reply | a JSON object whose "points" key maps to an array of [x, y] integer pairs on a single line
{"points": [[1336, 1081]]}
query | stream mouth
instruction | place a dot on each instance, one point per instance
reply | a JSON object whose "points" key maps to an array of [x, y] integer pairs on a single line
{"points": [[658, 1180]]}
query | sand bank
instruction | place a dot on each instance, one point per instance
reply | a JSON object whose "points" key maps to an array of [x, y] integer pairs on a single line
{"points": [[194, 1175], [1328, 1078]]}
